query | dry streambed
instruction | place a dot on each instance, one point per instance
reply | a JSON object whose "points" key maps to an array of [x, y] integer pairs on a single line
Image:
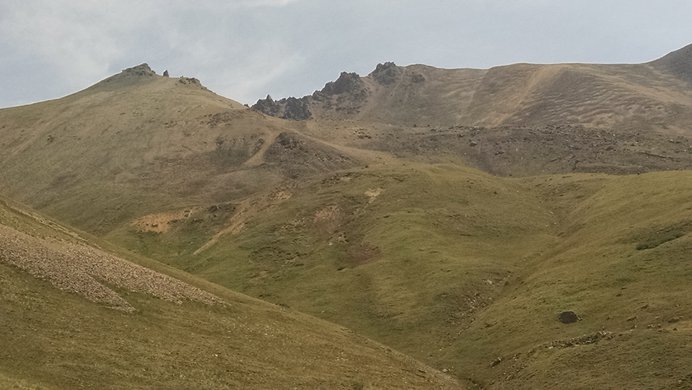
{"points": [[90, 272]]}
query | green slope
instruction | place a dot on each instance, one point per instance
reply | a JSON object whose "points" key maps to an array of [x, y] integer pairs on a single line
{"points": [[622, 263], [460, 268], [463, 270], [56, 339]]}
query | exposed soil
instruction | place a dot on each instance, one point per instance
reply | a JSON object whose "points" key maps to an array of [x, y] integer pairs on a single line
{"points": [[162, 222], [373, 193]]}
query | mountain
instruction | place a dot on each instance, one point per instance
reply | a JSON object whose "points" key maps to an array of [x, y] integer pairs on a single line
{"points": [[469, 272], [75, 315], [507, 242], [139, 142], [514, 120], [642, 96]]}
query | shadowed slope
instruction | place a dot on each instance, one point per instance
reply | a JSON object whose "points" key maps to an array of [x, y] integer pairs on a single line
{"points": [[678, 63]]}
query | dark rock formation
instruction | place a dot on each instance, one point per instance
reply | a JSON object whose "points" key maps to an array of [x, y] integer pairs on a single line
{"points": [[291, 108], [139, 70], [568, 317], [345, 95], [387, 73], [296, 109], [346, 83], [267, 106]]}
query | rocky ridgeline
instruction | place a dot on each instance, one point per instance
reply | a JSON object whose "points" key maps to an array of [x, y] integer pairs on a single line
{"points": [[287, 108], [387, 73], [142, 70], [345, 94], [346, 83], [347, 90], [130, 75], [142, 73]]}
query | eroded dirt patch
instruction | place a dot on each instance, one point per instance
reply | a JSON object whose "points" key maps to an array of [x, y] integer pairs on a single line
{"points": [[373, 193], [162, 222]]}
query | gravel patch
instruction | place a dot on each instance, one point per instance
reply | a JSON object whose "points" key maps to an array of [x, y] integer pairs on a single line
{"points": [[90, 272]]}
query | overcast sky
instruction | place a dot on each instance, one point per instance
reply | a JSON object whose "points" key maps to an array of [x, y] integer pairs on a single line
{"points": [[246, 49]]}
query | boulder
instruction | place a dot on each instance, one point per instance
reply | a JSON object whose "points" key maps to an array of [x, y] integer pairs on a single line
{"points": [[568, 317]]}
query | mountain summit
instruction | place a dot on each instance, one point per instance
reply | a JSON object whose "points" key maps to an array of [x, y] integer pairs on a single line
{"points": [[129, 76]]}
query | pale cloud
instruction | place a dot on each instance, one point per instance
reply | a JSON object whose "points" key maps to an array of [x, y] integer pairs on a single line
{"points": [[246, 49], [249, 81], [267, 3]]}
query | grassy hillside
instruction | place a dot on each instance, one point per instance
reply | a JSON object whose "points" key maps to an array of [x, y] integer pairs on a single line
{"points": [[365, 220], [58, 336], [137, 143], [622, 264], [469, 272]]}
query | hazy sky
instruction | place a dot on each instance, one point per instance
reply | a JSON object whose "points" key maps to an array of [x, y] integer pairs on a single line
{"points": [[246, 49]]}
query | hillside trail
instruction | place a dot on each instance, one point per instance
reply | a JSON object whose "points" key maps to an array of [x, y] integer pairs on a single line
{"points": [[258, 159], [245, 210], [254, 204], [366, 155], [234, 225]]}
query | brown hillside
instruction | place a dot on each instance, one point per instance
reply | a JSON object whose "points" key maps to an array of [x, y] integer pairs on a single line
{"points": [[678, 63], [138, 142], [649, 96]]}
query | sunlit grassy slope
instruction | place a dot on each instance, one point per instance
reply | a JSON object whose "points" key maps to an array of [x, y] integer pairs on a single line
{"points": [[469, 272], [55, 339]]}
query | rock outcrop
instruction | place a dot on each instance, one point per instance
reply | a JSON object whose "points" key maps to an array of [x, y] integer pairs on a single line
{"points": [[346, 83], [129, 76], [287, 108], [387, 73], [345, 94]]}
